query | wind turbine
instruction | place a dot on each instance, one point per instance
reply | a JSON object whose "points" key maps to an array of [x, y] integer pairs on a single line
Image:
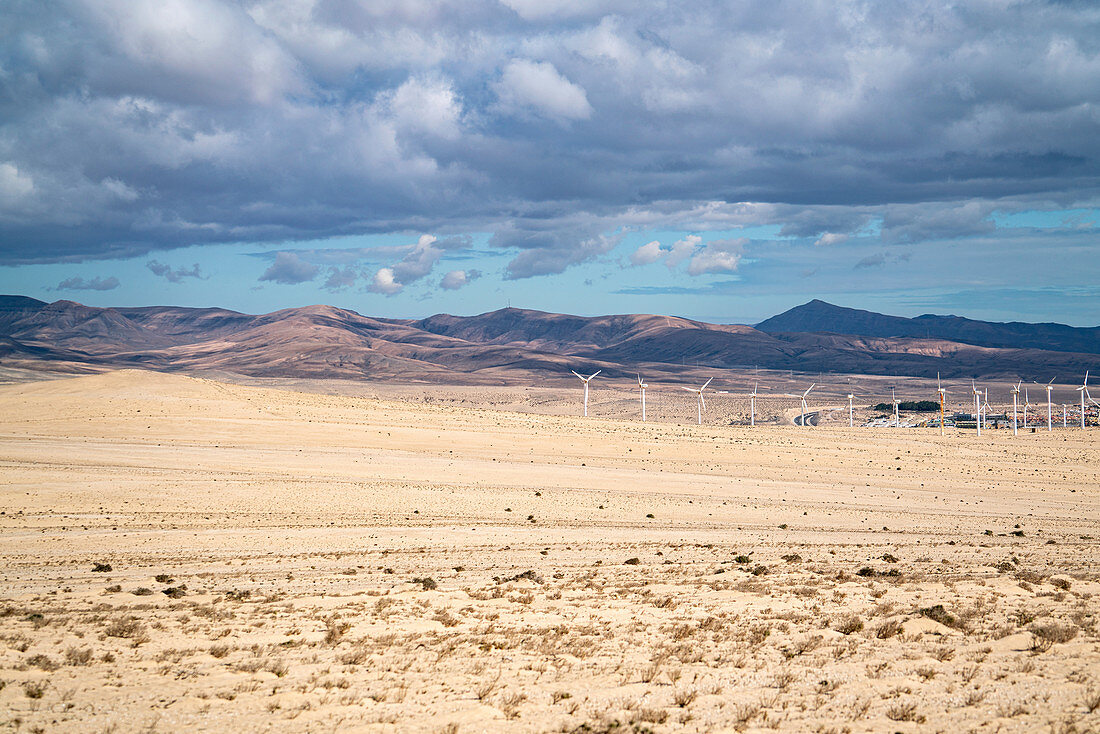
{"points": [[1050, 421], [1084, 390], [986, 410], [1064, 418], [943, 398], [1027, 404], [811, 387], [977, 407], [702, 403], [586, 380], [850, 398], [642, 386], [894, 399], [752, 405], [1015, 399]]}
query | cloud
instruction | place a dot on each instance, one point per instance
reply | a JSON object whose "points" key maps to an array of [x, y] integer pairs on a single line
{"points": [[385, 283], [537, 86], [831, 238], [290, 269], [879, 259], [648, 253], [340, 278], [682, 250], [94, 284], [456, 279], [132, 130], [173, 275], [718, 256]]}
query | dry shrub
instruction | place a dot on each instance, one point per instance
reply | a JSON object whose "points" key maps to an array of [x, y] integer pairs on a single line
{"points": [[1056, 633], [509, 704], [1091, 699], [937, 613], [888, 629], [35, 688], [128, 628], [43, 662], [683, 697], [903, 711], [78, 656], [335, 630], [848, 624]]}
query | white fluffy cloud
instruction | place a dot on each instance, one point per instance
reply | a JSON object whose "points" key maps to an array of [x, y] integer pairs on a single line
{"points": [[648, 253], [537, 86], [456, 279], [719, 256], [384, 282]]}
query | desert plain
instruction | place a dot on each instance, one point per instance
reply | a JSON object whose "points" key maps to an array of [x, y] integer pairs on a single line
{"points": [[187, 554]]}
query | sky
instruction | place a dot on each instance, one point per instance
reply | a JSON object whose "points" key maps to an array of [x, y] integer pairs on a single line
{"points": [[720, 161]]}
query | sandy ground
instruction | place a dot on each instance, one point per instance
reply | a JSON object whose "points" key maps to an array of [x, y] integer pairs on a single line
{"points": [[341, 563]]}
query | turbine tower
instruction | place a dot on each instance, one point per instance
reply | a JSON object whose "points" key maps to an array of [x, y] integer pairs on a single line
{"points": [[702, 403], [894, 400], [811, 387], [977, 407], [586, 380], [985, 407], [1050, 420], [851, 424], [642, 386], [1015, 400], [943, 399], [752, 405], [1084, 390], [1027, 404]]}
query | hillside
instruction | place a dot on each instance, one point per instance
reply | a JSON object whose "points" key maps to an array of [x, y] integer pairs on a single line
{"points": [[503, 346], [820, 317]]}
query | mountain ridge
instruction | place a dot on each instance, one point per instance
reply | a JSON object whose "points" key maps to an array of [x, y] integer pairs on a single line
{"points": [[818, 316], [505, 345]]}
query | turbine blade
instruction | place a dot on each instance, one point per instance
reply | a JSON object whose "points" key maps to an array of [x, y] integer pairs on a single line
{"points": [[704, 387], [595, 373]]}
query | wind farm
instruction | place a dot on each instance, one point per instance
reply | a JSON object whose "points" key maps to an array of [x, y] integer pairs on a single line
{"points": [[656, 542]]}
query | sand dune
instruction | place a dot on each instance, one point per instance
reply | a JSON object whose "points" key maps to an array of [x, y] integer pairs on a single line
{"points": [[377, 564]]}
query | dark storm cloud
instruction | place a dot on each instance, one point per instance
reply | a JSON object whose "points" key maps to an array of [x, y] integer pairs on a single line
{"points": [[127, 128]]}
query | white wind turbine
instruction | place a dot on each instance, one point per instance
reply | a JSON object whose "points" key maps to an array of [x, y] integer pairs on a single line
{"points": [[586, 380], [811, 387], [702, 403], [642, 386], [1027, 404], [752, 405], [943, 399], [1084, 390], [894, 400], [977, 407], [1050, 418], [1015, 400], [851, 396], [986, 410]]}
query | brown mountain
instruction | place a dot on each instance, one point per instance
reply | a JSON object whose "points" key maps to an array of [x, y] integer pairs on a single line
{"points": [[500, 346], [821, 317]]}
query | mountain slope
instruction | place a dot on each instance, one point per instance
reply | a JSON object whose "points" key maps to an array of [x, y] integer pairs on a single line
{"points": [[821, 317], [508, 345]]}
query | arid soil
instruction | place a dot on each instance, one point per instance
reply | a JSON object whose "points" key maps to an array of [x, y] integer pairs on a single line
{"points": [[190, 555]]}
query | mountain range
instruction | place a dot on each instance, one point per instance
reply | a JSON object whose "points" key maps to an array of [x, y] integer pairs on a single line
{"points": [[516, 344]]}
